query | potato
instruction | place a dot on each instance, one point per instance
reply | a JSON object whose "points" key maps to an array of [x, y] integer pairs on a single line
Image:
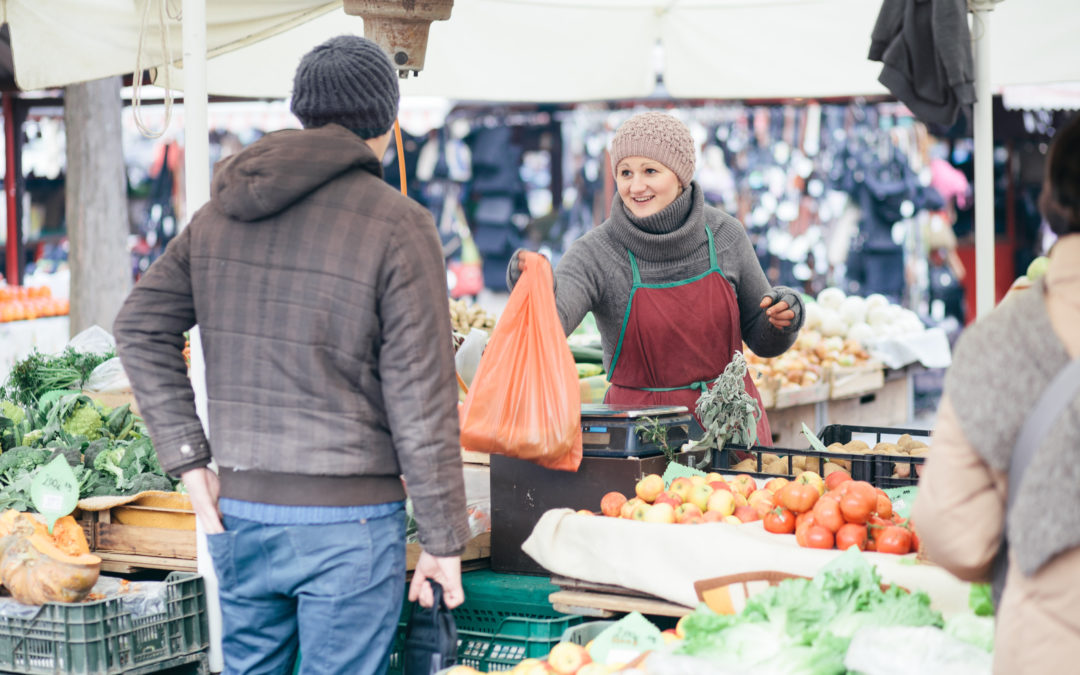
{"points": [[812, 464], [916, 445], [830, 467], [835, 447], [905, 440], [884, 448], [779, 467], [798, 463], [768, 458], [902, 470], [856, 447], [745, 465], [844, 464]]}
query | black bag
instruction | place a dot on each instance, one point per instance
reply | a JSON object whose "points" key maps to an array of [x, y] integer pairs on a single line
{"points": [[431, 641]]}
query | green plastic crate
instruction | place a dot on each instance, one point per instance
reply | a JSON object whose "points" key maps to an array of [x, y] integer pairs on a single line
{"points": [[103, 638], [505, 619]]}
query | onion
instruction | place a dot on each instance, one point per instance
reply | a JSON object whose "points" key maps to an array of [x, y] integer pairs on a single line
{"points": [[878, 316], [852, 310], [832, 324], [811, 315], [830, 298], [876, 300], [861, 333]]}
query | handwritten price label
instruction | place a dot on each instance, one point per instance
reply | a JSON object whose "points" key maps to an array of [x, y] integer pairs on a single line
{"points": [[54, 490]]}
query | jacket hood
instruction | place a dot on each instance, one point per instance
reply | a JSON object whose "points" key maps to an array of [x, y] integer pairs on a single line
{"points": [[285, 166]]}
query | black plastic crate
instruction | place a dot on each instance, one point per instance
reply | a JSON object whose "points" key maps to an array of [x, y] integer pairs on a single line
{"points": [[883, 464], [862, 466]]}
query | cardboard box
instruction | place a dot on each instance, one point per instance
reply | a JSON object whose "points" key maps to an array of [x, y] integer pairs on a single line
{"points": [[522, 491]]}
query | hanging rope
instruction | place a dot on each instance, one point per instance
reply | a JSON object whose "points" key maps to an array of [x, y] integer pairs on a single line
{"points": [[166, 51], [400, 158]]}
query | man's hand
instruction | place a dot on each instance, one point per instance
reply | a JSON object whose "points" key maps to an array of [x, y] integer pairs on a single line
{"points": [[780, 315], [447, 571], [202, 486]]}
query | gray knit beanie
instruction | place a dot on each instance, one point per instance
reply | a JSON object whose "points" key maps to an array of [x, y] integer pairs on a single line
{"points": [[658, 136], [347, 80]]}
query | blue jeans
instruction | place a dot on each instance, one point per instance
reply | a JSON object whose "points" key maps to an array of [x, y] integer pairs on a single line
{"points": [[332, 591]]}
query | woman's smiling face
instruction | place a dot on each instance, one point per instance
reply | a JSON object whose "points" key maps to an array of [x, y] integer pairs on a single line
{"points": [[645, 185]]}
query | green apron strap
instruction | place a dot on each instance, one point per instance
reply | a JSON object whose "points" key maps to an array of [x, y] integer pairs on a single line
{"points": [[699, 386], [713, 265], [634, 268]]}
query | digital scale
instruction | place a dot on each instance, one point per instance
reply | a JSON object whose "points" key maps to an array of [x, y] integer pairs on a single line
{"points": [[612, 430]]}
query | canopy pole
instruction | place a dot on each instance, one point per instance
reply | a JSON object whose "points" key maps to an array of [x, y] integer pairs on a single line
{"points": [[985, 280], [197, 193], [13, 243]]}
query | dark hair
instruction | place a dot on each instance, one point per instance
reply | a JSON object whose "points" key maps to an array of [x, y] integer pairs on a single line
{"points": [[1059, 202]]}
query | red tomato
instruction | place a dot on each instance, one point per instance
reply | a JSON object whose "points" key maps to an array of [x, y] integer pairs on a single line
{"points": [[857, 507], [780, 521], [850, 535], [894, 540], [801, 530], [818, 537], [801, 518], [834, 479], [884, 506], [798, 497], [827, 514]]}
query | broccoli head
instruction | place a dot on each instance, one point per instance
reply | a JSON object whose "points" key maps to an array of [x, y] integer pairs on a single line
{"points": [[21, 460], [148, 481]]}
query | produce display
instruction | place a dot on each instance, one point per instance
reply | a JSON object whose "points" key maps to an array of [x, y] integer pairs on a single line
{"points": [[464, 318], [864, 320], [855, 451], [830, 512], [109, 449], [37, 566], [19, 303], [831, 624], [840, 513], [808, 361]]}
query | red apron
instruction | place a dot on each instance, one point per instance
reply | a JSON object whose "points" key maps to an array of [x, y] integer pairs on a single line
{"points": [[677, 338]]}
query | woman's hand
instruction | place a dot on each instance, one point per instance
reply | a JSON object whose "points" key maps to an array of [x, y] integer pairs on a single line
{"points": [[780, 315]]}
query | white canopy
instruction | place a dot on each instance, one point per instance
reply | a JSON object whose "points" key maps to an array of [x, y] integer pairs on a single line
{"points": [[537, 50]]}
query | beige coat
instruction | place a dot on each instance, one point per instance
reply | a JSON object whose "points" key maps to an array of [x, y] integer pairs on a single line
{"points": [[959, 514]]}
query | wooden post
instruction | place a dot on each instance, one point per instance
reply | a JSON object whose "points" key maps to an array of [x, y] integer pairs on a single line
{"points": [[12, 147], [95, 193]]}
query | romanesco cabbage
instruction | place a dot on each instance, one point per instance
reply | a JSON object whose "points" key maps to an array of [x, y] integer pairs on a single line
{"points": [[33, 436], [12, 411], [85, 420]]}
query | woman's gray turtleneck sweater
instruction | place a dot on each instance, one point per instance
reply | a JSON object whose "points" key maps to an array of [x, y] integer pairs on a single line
{"points": [[595, 273]]}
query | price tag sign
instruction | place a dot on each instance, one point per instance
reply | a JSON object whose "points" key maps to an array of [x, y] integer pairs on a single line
{"points": [[54, 490], [625, 640]]}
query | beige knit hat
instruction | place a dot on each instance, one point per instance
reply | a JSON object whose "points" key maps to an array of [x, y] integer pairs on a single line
{"points": [[658, 136]]}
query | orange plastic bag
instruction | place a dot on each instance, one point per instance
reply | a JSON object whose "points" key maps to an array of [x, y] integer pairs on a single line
{"points": [[525, 400]]}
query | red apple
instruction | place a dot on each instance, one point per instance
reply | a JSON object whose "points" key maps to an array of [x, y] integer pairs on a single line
{"points": [[682, 487], [566, 658], [743, 484], [661, 512], [649, 487], [722, 502], [746, 514], [684, 512], [774, 484], [720, 485], [668, 498], [611, 503], [712, 517]]}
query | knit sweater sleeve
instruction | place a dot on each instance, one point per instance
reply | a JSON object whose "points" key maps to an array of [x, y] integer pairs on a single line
{"points": [[740, 264], [578, 283]]}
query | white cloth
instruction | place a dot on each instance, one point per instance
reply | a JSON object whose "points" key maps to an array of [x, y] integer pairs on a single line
{"points": [[665, 560]]}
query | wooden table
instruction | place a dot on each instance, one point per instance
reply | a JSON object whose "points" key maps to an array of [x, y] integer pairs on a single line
{"points": [[604, 602]]}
